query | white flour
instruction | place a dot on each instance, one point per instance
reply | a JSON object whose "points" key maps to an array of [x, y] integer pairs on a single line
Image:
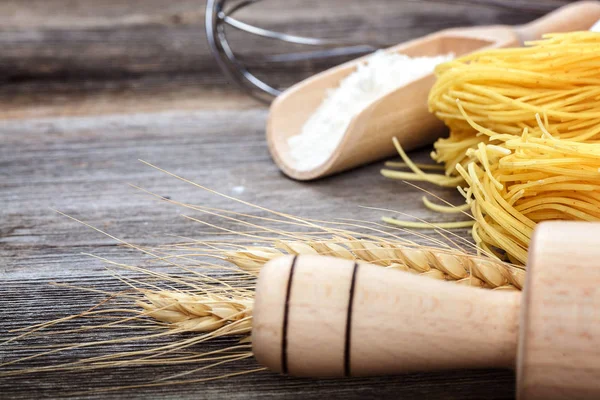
{"points": [[382, 73]]}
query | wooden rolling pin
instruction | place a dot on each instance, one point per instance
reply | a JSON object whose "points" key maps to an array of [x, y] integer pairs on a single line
{"points": [[322, 317]]}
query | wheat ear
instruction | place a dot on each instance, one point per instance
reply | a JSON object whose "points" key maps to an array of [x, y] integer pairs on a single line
{"points": [[439, 263], [199, 313]]}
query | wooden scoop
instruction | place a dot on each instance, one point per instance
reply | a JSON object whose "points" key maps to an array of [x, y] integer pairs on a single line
{"points": [[322, 316], [402, 113]]}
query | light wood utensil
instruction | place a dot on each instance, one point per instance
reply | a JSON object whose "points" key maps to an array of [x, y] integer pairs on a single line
{"points": [[402, 113], [321, 317]]}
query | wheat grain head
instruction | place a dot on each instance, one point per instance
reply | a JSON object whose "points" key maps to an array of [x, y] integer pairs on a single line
{"points": [[439, 263]]}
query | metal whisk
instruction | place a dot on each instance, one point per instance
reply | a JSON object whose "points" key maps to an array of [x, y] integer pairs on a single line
{"points": [[235, 67]]}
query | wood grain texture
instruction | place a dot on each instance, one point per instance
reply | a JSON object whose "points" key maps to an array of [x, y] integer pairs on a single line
{"points": [[84, 38], [90, 87], [82, 165]]}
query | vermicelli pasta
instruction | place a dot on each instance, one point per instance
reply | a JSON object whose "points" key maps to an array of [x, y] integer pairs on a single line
{"points": [[524, 137]]}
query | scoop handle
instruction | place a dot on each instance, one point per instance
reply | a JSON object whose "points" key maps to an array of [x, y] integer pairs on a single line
{"points": [[321, 317], [572, 17]]}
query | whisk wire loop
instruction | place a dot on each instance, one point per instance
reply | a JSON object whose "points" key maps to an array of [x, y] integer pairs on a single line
{"points": [[217, 17]]}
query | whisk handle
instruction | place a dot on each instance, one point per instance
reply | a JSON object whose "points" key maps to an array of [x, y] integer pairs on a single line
{"points": [[321, 316], [572, 17]]}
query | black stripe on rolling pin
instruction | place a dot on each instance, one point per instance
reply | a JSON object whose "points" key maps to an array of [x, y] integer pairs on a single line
{"points": [[284, 341], [349, 322]]}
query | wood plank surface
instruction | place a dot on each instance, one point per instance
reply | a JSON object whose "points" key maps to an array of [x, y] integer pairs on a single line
{"points": [[83, 38], [82, 166], [91, 87]]}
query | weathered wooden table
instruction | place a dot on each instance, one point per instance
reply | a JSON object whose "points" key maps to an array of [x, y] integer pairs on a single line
{"points": [[88, 88]]}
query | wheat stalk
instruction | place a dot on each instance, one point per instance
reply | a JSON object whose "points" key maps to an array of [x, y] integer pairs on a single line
{"points": [[446, 264], [232, 314], [210, 300]]}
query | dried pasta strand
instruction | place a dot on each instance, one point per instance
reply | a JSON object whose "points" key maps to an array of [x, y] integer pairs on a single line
{"points": [[524, 137]]}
